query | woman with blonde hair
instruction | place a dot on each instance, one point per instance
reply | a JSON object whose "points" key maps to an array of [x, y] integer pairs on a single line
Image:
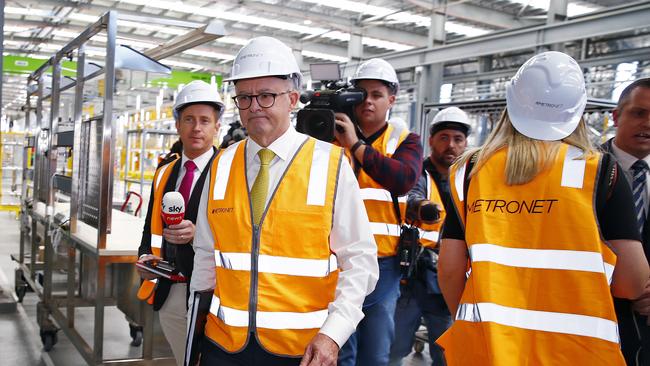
{"points": [[542, 234]]}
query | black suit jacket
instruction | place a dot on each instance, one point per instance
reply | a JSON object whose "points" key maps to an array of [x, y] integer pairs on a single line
{"points": [[632, 326], [607, 147], [184, 256]]}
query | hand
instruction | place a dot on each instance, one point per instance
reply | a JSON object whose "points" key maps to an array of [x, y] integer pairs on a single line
{"points": [[144, 274], [348, 137], [181, 233], [642, 304], [321, 351]]}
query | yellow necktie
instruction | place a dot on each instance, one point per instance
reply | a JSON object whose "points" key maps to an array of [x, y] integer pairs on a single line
{"points": [[261, 186]]}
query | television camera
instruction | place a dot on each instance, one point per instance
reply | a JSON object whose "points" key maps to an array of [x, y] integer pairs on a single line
{"points": [[317, 118]]}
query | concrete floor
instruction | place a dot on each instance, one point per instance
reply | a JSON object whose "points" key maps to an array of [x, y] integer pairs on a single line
{"points": [[20, 342]]}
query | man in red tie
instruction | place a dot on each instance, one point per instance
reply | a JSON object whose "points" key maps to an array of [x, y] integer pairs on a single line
{"points": [[197, 110]]}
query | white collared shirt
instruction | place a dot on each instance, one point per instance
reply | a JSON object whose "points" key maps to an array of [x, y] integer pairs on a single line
{"points": [[625, 160], [351, 239], [201, 163]]}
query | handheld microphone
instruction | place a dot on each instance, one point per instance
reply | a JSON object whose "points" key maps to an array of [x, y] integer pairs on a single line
{"points": [[173, 211], [429, 212], [173, 208]]}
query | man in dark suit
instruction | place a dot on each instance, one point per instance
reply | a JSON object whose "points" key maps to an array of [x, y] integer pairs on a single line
{"points": [[197, 110], [631, 148]]}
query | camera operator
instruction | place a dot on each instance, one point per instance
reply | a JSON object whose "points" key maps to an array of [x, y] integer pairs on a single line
{"points": [[387, 162], [427, 204]]}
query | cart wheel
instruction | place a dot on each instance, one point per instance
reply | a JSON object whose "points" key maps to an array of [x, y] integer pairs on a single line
{"points": [[418, 346], [137, 339], [21, 290], [49, 339], [136, 335]]}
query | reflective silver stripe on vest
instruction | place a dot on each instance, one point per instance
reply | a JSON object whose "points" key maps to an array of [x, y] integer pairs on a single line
{"points": [[161, 172], [581, 325], [379, 228], [317, 189], [156, 241], [570, 260], [268, 319], [277, 265], [230, 316], [573, 171], [609, 272], [429, 184], [379, 194], [223, 171], [393, 139], [429, 235], [459, 182]]}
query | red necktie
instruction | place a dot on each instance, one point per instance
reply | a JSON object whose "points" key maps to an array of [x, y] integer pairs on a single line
{"points": [[186, 184]]}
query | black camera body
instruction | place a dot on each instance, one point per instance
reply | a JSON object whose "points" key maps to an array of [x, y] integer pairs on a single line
{"points": [[317, 118], [408, 250]]}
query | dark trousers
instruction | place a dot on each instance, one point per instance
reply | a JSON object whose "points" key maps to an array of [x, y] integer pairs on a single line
{"points": [[252, 355], [634, 332], [370, 344], [410, 309]]}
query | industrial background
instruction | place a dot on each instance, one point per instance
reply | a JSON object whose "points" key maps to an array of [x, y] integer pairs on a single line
{"points": [[110, 70]]}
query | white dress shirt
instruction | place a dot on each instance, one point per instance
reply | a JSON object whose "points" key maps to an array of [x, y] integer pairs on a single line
{"points": [[201, 163], [351, 239], [625, 160]]}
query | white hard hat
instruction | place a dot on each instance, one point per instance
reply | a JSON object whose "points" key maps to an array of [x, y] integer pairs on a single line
{"points": [[449, 116], [198, 92], [264, 56], [377, 69], [547, 96]]}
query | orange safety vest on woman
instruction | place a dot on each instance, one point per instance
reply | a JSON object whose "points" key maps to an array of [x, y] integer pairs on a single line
{"points": [[384, 223], [429, 233], [538, 290], [275, 280], [160, 178]]}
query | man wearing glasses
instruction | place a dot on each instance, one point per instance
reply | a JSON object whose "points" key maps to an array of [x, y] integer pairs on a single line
{"points": [[283, 245]]}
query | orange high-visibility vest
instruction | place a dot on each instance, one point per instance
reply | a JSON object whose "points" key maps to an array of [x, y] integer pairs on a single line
{"points": [[275, 280], [429, 233], [147, 288], [538, 290], [384, 223]]}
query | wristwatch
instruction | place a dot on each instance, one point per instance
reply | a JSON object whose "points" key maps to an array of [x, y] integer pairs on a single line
{"points": [[356, 146]]}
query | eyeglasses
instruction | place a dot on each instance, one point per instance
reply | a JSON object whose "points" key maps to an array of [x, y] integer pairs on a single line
{"points": [[264, 100]]}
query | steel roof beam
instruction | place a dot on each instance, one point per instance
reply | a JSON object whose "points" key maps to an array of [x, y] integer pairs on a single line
{"points": [[614, 59], [613, 20]]}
